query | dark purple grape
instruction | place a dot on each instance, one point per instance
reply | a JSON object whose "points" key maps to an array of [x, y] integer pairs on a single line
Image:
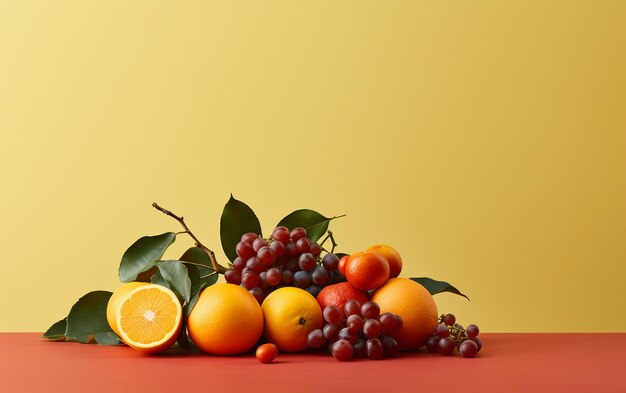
{"points": [[254, 264], [233, 276], [250, 279], [449, 319], [263, 281], [313, 289], [390, 347], [371, 328], [370, 310], [304, 244], [266, 256], [302, 279], [291, 250], [399, 323], [316, 339], [259, 243], [352, 307], [442, 330], [468, 349], [278, 247], [298, 233], [342, 350], [281, 260], [257, 293], [331, 332], [307, 261], [472, 331], [432, 344], [360, 348], [287, 277], [292, 265], [330, 261], [388, 322], [355, 322], [348, 334], [245, 250], [315, 249], [446, 346], [249, 237], [281, 234], [320, 276], [374, 349], [478, 342], [332, 314], [239, 263], [273, 276]]}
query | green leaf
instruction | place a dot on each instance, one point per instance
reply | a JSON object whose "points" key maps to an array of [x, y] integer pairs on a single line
{"points": [[143, 255], [315, 224], [435, 287], [107, 338], [174, 275], [87, 317], [237, 219], [56, 332], [197, 256]]}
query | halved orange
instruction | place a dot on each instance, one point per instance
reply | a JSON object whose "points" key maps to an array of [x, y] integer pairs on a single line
{"points": [[147, 317]]}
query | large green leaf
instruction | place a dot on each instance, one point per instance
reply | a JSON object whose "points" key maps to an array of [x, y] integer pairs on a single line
{"points": [[315, 224], [174, 275], [143, 255], [87, 319], [237, 219], [435, 287], [56, 332]]}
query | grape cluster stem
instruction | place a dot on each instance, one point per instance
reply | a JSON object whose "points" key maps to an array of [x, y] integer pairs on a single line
{"points": [[216, 266]]}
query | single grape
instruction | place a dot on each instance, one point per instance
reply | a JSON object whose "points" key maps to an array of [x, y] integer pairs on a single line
{"points": [[249, 237], [359, 348], [302, 279], [233, 276], [259, 243], [291, 250], [316, 339], [307, 261], [266, 256], [257, 293], [273, 276], [313, 289], [292, 265], [371, 328], [442, 330], [352, 307], [388, 322], [281, 234], [331, 332], [304, 244], [390, 347], [287, 277], [478, 342], [332, 314], [399, 323], [320, 276], [370, 310], [330, 261], [449, 319], [263, 280], [348, 334], [239, 263], [468, 349], [250, 279], [472, 331], [298, 233], [432, 344], [315, 249], [254, 264], [446, 346], [278, 247], [342, 350], [355, 322], [245, 250], [374, 349]]}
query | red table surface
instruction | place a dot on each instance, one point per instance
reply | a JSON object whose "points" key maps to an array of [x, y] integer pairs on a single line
{"points": [[507, 363]]}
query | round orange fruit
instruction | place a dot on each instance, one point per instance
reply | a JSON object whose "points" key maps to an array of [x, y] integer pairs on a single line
{"points": [[338, 294], [290, 314], [392, 256], [367, 270], [147, 317], [226, 320], [414, 304]]}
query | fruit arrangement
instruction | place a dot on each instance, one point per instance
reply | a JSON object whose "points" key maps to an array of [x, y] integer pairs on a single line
{"points": [[288, 292]]}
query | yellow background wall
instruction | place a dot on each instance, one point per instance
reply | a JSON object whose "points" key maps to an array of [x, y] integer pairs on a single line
{"points": [[485, 140]]}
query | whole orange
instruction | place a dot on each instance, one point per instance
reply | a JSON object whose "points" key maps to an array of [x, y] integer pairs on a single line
{"points": [[367, 270], [290, 314], [392, 256], [338, 294], [414, 304], [226, 320]]}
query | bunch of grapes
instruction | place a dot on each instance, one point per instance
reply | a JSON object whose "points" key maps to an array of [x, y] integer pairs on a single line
{"points": [[449, 335], [285, 259], [363, 332]]}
